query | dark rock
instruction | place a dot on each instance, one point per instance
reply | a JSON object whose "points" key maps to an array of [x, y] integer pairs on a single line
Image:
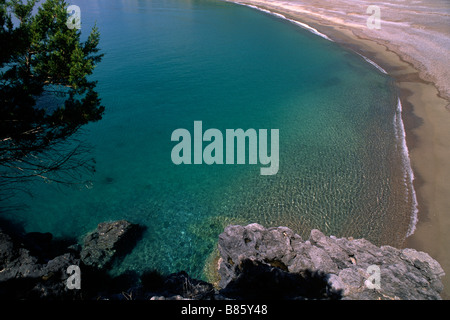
{"points": [[109, 241], [152, 281], [343, 263], [180, 284], [23, 275], [34, 265], [155, 286], [7, 252], [255, 262], [257, 280]]}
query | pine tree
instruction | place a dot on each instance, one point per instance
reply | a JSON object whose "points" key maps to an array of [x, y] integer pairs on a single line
{"points": [[45, 92]]}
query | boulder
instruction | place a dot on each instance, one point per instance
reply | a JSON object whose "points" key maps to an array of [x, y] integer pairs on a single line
{"points": [[337, 267], [107, 242], [26, 274], [34, 265]]}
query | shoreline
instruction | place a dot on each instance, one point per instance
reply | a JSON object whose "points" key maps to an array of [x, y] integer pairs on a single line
{"points": [[426, 120], [408, 173]]}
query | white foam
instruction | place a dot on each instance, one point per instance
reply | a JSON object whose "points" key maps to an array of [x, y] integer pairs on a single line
{"points": [[307, 27], [408, 174], [301, 24], [373, 63]]}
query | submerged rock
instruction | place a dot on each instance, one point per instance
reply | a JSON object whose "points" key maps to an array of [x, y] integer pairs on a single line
{"points": [[336, 267], [108, 241]]}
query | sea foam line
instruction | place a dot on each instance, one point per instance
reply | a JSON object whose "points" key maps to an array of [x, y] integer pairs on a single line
{"points": [[372, 63], [398, 122], [279, 15], [408, 174], [307, 27]]}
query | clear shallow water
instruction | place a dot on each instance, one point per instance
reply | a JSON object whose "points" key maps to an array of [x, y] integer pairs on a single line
{"points": [[169, 63]]}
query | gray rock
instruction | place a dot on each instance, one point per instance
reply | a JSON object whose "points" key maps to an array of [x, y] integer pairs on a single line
{"points": [[343, 263], [34, 266], [108, 241], [27, 275], [272, 263]]}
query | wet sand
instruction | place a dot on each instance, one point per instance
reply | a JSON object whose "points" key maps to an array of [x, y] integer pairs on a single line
{"points": [[413, 46]]}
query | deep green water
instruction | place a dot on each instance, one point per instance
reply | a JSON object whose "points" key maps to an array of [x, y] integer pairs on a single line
{"points": [[169, 63]]}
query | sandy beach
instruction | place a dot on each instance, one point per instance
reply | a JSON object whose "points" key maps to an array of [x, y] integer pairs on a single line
{"points": [[413, 46]]}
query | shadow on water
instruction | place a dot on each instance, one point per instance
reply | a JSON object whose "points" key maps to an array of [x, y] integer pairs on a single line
{"points": [[41, 245]]}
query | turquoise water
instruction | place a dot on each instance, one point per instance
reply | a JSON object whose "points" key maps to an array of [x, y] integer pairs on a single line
{"points": [[170, 63]]}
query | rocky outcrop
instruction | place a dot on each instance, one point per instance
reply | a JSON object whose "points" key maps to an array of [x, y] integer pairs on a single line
{"points": [[108, 241], [35, 266], [33, 269], [255, 263], [335, 267]]}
